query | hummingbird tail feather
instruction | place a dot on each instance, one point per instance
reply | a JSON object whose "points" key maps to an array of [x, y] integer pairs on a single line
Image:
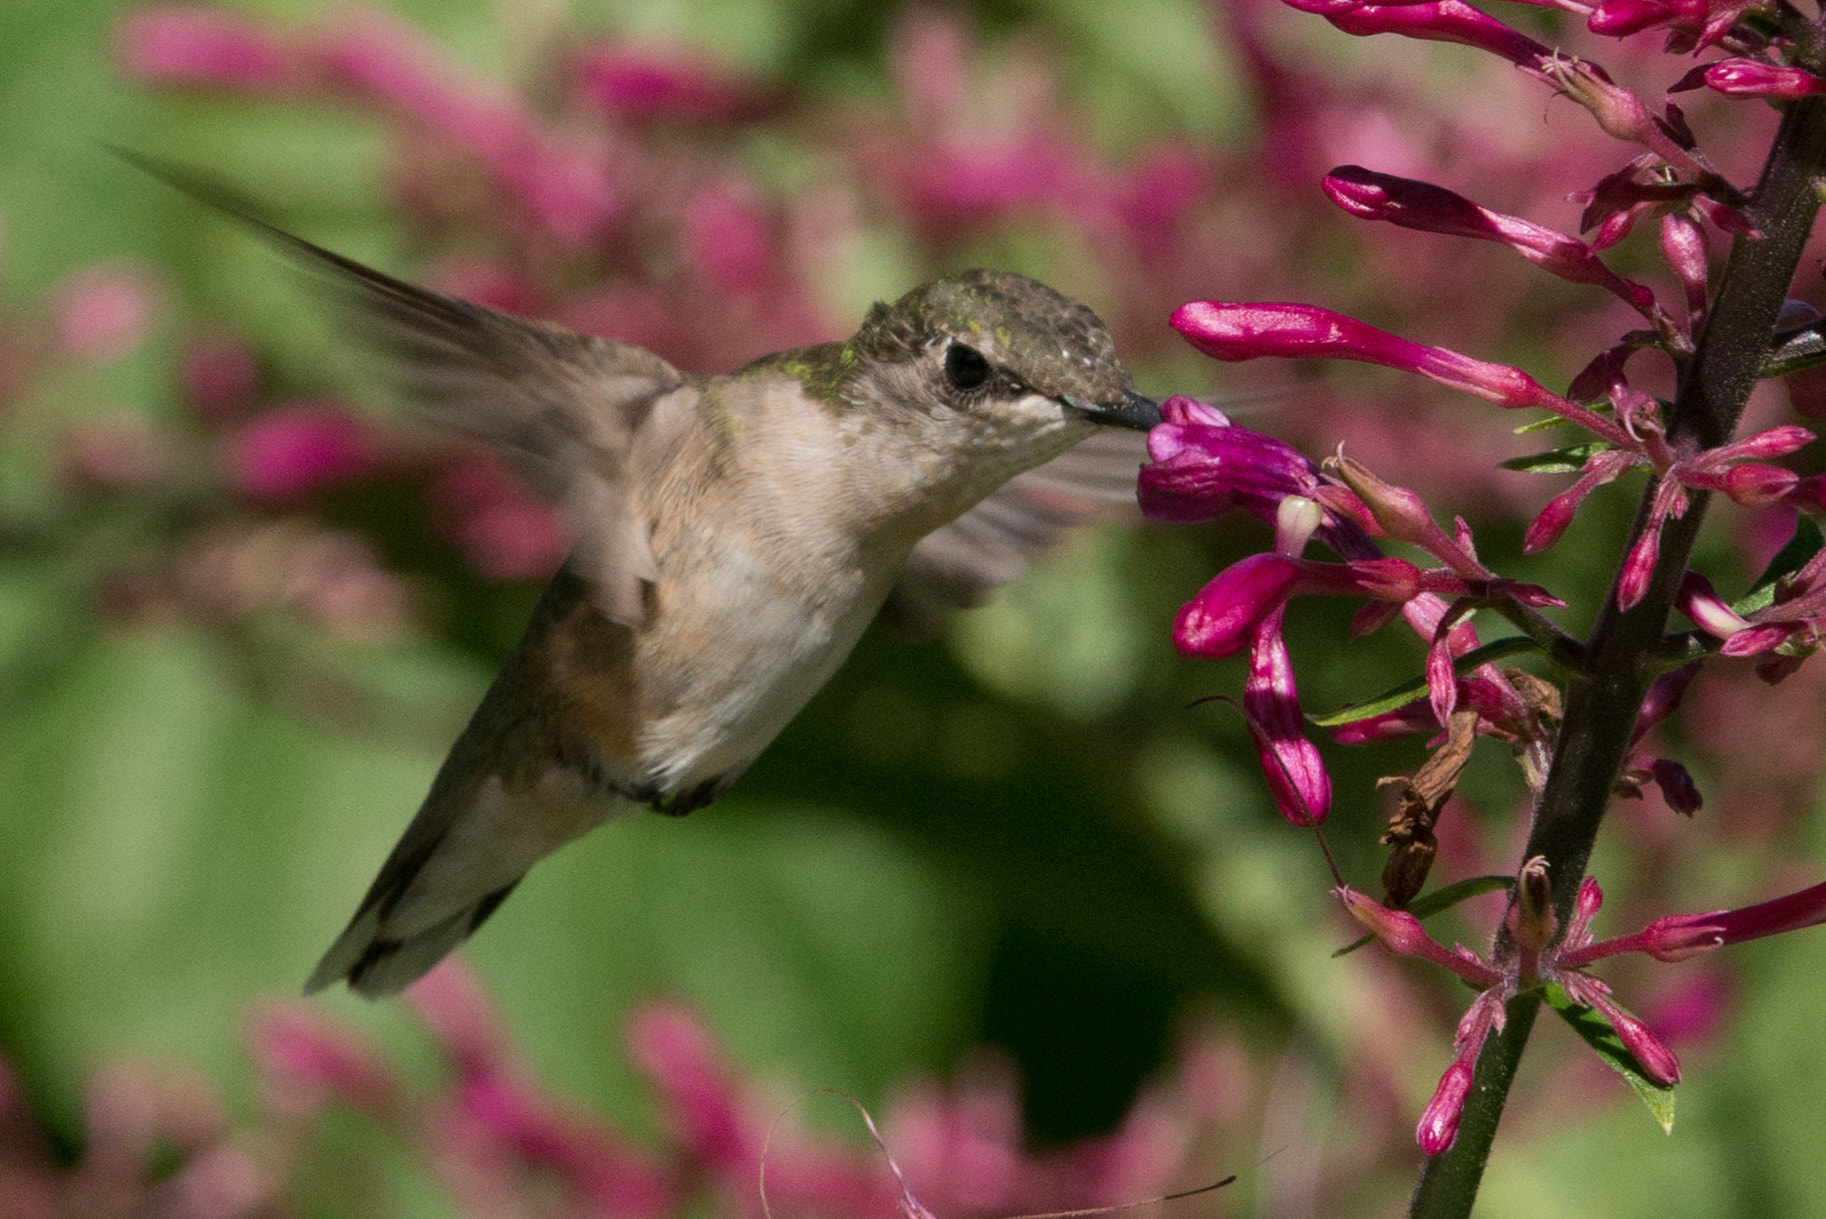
{"points": [[376, 965]]}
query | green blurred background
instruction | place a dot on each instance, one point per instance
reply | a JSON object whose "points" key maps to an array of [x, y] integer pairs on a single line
{"points": [[1019, 833]]}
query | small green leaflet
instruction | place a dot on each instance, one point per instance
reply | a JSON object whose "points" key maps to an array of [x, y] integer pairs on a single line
{"points": [[1800, 349], [1440, 899], [1408, 691], [1540, 425], [1805, 543], [1600, 1036], [1569, 460]]}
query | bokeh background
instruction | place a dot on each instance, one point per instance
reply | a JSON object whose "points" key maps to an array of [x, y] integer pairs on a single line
{"points": [[996, 884]]}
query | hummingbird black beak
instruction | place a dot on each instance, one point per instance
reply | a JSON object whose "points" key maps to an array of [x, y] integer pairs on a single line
{"points": [[1134, 411]]}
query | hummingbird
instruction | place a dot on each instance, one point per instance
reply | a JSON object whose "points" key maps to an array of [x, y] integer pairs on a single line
{"points": [[734, 535]]}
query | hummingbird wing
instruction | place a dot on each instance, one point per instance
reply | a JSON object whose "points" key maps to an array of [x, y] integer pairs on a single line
{"points": [[566, 409], [957, 565]]}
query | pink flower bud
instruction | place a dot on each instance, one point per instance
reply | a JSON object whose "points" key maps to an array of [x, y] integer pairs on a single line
{"points": [[1757, 638], [1752, 78], [1651, 1053], [1531, 920], [1547, 527], [1677, 786], [295, 449], [1585, 906], [1401, 932], [1235, 332], [1806, 908], [197, 45], [1699, 601], [1223, 616], [1438, 1128], [1429, 208], [1683, 247], [1271, 707], [1639, 566], [1666, 691], [1435, 21], [1758, 486], [1401, 513], [1619, 18]]}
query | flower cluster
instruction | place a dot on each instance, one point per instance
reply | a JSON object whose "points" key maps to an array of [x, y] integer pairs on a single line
{"points": [[1203, 466], [496, 1141]]}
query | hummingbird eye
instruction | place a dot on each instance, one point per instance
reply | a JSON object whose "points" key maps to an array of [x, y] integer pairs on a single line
{"points": [[965, 367]]}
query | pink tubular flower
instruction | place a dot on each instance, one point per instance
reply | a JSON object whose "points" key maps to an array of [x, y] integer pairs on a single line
{"points": [[1431, 20], [1600, 468], [306, 1062], [294, 449], [1236, 332], [685, 1065], [194, 45], [565, 186], [1204, 466], [651, 83], [1753, 78], [1438, 1128], [1619, 18], [1534, 962], [1271, 706], [1434, 209]]}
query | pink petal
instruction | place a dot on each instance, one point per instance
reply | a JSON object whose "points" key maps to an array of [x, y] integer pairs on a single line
{"points": [[1271, 706]]}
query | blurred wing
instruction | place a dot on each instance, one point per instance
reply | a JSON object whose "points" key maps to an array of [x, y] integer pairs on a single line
{"points": [[564, 408], [956, 566]]}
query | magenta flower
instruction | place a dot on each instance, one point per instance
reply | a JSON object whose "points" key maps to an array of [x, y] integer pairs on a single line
{"points": [[291, 450], [1753, 78], [505, 533], [1620, 18], [1271, 707], [306, 1061], [195, 45], [102, 312], [1431, 20], [564, 185], [1434, 209], [1247, 331], [654, 84], [220, 374]]}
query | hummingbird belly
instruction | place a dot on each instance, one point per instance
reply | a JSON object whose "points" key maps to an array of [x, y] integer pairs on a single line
{"points": [[750, 662]]}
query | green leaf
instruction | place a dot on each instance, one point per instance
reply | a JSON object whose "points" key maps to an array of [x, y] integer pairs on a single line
{"points": [[1540, 425], [1802, 546], [1590, 1024], [1440, 899], [1408, 691], [1569, 460], [1801, 350]]}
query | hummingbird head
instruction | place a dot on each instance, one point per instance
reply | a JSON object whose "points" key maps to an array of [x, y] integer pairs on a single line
{"points": [[1005, 353]]}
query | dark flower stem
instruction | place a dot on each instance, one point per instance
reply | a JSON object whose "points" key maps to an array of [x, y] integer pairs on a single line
{"points": [[1601, 707]]}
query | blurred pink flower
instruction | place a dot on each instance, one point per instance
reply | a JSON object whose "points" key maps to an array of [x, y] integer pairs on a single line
{"points": [[651, 83], [727, 240], [292, 449], [221, 375], [305, 1062], [199, 45], [103, 311], [504, 533]]}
